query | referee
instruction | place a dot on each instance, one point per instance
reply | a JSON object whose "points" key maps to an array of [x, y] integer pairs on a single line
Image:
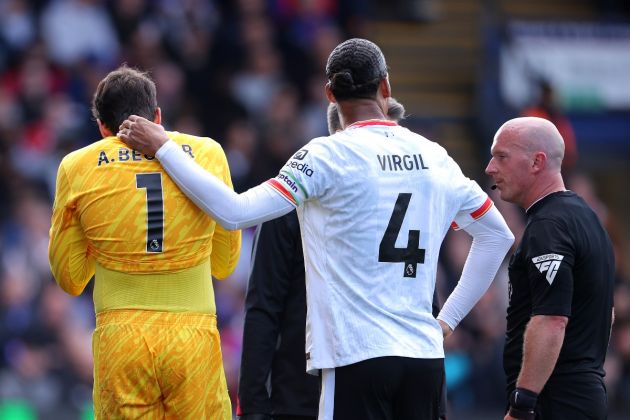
{"points": [[561, 282]]}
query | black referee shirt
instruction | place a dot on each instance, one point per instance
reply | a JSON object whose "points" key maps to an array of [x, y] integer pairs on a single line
{"points": [[273, 378], [564, 266]]}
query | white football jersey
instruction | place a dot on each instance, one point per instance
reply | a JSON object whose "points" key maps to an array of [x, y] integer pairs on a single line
{"points": [[374, 202]]}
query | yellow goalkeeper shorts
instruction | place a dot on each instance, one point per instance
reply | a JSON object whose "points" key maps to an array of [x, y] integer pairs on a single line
{"points": [[158, 365]]}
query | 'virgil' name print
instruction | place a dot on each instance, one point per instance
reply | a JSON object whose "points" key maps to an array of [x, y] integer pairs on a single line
{"points": [[401, 163]]}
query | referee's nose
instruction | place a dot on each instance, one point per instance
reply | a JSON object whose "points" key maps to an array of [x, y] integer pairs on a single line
{"points": [[491, 168]]}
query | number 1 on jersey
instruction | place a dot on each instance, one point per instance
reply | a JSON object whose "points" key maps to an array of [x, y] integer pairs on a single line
{"points": [[155, 209], [412, 255]]}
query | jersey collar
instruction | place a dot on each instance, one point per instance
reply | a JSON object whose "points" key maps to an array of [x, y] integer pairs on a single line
{"points": [[366, 123], [533, 205]]}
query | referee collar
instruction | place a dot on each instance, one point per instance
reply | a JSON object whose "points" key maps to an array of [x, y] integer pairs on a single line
{"points": [[534, 205]]}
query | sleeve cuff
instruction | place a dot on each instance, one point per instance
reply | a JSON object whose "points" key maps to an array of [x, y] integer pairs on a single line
{"points": [[448, 322], [165, 149]]}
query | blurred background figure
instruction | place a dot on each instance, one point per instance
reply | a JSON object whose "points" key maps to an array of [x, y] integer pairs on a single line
{"points": [[548, 108], [461, 71]]}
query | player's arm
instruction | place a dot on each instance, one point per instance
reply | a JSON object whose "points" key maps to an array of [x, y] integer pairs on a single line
{"points": [[543, 340], [231, 210], [491, 241], [226, 245], [226, 250], [269, 283], [70, 262]]}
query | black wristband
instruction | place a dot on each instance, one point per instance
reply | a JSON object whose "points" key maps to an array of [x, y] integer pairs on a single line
{"points": [[521, 414], [523, 404]]}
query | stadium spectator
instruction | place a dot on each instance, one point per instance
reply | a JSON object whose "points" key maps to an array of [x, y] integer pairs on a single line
{"points": [[548, 108], [369, 324], [561, 282], [76, 30], [152, 252]]}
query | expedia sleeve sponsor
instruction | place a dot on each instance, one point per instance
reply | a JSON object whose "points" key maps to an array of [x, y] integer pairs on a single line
{"points": [[302, 176], [300, 154], [300, 166]]}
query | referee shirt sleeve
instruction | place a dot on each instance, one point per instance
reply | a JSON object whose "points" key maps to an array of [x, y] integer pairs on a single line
{"points": [[550, 260], [269, 284]]}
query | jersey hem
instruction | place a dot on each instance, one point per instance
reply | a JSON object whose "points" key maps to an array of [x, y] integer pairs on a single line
{"points": [[313, 366]]}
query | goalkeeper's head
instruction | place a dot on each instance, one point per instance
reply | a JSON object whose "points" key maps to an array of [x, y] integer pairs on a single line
{"points": [[123, 92]]}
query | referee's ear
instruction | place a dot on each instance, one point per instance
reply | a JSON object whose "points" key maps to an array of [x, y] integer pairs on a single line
{"points": [[540, 162]]}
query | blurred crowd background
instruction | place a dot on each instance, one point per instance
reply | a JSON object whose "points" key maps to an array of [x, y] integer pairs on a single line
{"points": [[249, 73]]}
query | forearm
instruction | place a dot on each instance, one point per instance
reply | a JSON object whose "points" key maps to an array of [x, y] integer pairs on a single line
{"points": [[231, 210], [491, 241], [543, 340]]}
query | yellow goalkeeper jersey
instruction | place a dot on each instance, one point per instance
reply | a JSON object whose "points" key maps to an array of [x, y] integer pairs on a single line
{"points": [[119, 215]]}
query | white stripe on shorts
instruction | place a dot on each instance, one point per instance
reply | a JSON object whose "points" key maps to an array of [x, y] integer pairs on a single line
{"points": [[327, 395]]}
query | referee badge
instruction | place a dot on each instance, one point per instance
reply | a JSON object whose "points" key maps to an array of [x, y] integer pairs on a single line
{"points": [[548, 263]]}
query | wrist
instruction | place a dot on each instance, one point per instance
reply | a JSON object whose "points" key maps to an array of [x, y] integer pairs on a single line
{"points": [[446, 329], [523, 404]]}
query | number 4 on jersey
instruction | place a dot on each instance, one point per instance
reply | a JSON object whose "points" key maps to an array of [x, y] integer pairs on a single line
{"points": [[412, 255]]}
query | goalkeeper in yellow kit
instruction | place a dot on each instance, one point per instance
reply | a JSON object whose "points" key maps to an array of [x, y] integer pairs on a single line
{"points": [[118, 216]]}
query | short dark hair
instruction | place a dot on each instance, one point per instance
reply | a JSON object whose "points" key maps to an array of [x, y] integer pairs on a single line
{"points": [[123, 92], [354, 69]]}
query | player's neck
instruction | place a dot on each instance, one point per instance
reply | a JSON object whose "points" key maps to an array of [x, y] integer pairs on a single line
{"points": [[356, 110]]}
